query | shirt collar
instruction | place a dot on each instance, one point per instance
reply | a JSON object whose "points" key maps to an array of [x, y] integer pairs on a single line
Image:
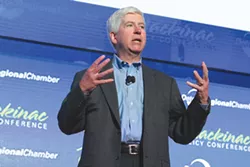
{"points": [[121, 64]]}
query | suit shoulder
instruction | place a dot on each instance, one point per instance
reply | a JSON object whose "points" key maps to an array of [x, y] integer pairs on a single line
{"points": [[77, 78], [80, 73], [160, 75]]}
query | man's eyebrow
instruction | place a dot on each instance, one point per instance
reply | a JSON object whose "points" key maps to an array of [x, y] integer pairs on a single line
{"points": [[128, 22]]}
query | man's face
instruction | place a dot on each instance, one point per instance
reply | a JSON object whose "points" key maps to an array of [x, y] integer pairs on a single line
{"points": [[131, 36]]}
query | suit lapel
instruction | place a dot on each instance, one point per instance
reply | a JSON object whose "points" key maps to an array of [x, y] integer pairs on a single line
{"points": [[149, 91], [149, 102], [109, 91]]}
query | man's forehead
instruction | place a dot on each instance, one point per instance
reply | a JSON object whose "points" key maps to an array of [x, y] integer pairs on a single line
{"points": [[129, 17]]}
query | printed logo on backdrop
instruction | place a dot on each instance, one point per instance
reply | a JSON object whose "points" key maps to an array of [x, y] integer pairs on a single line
{"points": [[244, 43], [10, 9], [17, 116], [27, 152], [189, 96], [195, 162], [181, 33], [29, 76], [219, 138]]}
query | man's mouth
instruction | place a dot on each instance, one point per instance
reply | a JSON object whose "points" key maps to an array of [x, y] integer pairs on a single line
{"points": [[136, 40]]}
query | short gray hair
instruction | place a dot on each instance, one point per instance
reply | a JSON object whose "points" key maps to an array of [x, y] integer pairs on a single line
{"points": [[115, 19]]}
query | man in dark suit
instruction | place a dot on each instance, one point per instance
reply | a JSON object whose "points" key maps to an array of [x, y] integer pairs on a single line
{"points": [[128, 110]]}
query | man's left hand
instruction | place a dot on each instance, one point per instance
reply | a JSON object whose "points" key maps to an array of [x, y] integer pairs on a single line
{"points": [[202, 84]]}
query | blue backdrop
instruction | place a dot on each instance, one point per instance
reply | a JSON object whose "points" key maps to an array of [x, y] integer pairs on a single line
{"points": [[82, 25], [44, 43]]}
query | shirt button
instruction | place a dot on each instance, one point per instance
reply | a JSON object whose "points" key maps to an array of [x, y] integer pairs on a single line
{"points": [[131, 103]]}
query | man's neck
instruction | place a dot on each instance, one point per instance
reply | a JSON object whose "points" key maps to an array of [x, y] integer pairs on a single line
{"points": [[129, 58]]}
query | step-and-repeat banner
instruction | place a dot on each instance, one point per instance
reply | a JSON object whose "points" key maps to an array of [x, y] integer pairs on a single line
{"points": [[225, 139], [35, 79], [31, 93], [32, 90]]}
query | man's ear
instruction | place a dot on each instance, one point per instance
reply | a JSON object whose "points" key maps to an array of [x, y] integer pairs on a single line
{"points": [[113, 39]]}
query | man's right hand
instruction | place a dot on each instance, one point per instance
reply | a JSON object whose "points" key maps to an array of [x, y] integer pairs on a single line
{"points": [[93, 76]]}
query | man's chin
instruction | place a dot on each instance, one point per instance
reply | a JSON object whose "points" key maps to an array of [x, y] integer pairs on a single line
{"points": [[136, 52]]}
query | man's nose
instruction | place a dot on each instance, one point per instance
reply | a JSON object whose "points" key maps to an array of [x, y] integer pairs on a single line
{"points": [[137, 30]]}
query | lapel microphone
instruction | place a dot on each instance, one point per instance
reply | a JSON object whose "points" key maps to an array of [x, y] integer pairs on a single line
{"points": [[130, 79]]}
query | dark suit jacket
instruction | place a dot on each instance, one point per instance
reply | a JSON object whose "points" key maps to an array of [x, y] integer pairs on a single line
{"points": [[164, 115]]}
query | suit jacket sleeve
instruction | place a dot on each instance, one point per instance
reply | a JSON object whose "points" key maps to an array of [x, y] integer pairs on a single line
{"points": [[185, 124], [71, 116]]}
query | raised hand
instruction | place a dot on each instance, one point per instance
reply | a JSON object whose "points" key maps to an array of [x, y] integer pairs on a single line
{"points": [[93, 76], [202, 84]]}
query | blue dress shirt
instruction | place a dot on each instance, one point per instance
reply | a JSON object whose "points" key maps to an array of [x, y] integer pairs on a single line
{"points": [[130, 99]]}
